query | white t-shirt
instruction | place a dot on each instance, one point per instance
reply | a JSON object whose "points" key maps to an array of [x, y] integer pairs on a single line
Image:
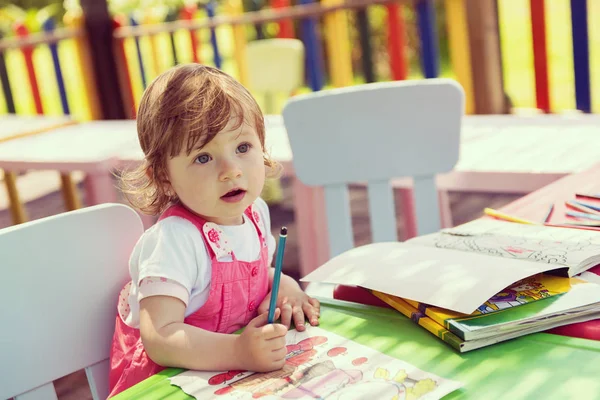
{"points": [[172, 259]]}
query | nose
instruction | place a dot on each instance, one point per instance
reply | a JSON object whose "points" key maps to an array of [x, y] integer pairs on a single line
{"points": [[230, 169]]}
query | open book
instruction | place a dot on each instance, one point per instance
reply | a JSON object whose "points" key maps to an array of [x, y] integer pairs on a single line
{"points": [[576, 301], [460, 268]]}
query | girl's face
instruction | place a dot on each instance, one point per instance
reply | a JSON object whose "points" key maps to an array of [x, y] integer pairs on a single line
{"points": [[220, 180]]}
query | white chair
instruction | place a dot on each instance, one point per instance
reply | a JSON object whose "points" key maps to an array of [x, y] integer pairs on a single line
{"points": [[61, 278], [371, 134], [275, 66]]}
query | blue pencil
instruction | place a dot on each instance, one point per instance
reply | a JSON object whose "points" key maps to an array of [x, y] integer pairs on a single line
{"points": [[277, 276], [583, 215], [592, 206], [549, 213]]}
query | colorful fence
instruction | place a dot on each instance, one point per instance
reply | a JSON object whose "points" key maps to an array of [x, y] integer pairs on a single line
{"points": [[335, 34], [48, 72]]}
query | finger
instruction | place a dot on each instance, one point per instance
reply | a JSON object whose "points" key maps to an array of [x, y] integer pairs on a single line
{"points": [[279, 353], [264, 306], [286, 314], [298, 315], [278, 364], [263, 319], [311, 314], [275, 332], [315, 303]]}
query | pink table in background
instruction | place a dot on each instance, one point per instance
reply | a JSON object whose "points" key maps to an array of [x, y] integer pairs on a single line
{"points": [[13, 127], [90, 147]]}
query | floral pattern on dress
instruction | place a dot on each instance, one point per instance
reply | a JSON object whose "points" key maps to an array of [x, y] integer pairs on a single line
{"points": [[257, 220], [217, 239]]}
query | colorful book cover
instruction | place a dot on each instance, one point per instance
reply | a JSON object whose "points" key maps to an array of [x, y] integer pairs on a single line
{"points": [[421, 319], [501, 309], [468, 345]]}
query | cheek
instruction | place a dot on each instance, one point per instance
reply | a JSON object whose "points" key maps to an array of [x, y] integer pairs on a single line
{"points": [[185, 183]]}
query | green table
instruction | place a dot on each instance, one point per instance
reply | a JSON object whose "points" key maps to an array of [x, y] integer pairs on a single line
{"points": [[536, 366]]}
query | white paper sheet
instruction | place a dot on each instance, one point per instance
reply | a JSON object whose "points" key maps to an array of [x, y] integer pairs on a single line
{"points": [[452, 279], [322, 365]]}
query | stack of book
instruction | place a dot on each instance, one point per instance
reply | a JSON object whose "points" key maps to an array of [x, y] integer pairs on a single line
{"points": [[480, 283]]}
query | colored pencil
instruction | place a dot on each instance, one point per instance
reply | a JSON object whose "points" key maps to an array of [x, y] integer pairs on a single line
{"points": [[277, 276]]}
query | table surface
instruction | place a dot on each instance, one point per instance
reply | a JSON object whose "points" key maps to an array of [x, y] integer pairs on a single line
{"points": [[535, 366], [12, 125], [535, 205], [85, 143], [499, 143]]}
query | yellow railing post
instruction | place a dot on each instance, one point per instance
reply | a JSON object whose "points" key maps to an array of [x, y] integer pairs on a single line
{"points": [[234, 7], [460, 49], [338, 45], [75, 20]]}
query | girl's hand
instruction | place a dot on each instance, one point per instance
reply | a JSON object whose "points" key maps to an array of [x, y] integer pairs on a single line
{"points": [[294, 303], [261, 346]]}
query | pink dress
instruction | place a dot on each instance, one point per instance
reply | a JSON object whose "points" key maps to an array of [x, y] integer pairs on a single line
{"points": [[236, 290]]}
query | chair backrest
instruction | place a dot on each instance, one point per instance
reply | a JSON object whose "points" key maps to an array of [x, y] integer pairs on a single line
{"points": [[61, 278], [372, 133], [275, 66]]}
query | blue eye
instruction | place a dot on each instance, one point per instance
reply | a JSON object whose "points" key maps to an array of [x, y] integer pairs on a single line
{"points": [[203, 159], [243, 148]]}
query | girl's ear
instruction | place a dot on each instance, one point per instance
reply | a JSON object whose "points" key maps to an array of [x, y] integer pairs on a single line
{"points": [[168, 189]]}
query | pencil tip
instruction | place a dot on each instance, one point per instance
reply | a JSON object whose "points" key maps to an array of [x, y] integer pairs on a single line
{"points": [[283, 231]]}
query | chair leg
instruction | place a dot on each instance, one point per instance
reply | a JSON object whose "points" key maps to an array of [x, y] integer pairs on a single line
{"points": [[97, 376], [17, 210], [408, 212], [69, 192], [445, 211], [100, 188], [311, 226]]}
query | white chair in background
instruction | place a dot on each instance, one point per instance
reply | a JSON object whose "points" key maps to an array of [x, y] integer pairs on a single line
{"points": [[275, 66], [61, 277], [371, 134]]}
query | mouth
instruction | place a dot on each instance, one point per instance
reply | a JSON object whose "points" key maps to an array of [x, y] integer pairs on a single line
{"points": [[234, 195]]}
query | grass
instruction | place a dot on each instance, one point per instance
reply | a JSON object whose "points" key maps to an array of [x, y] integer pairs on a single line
{"points": [[515, 30]]}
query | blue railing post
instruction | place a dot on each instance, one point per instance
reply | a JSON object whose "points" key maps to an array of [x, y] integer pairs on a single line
{"points": [[581, 56], [49, 25], [428, 35]]}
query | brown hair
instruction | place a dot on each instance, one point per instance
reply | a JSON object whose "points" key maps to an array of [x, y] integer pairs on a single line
{"points": [[184, 108]]}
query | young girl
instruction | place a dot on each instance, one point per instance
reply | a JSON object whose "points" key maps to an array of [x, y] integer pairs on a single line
{"points": [[202, 271]]}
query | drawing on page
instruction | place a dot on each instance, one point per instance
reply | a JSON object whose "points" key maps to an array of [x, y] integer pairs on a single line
{"points": [[300, 378], [512, 247], [542, 244], [321, 366]]}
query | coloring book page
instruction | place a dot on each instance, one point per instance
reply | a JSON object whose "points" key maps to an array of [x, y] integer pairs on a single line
{"points": [[321, 365], [568, 247]]}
